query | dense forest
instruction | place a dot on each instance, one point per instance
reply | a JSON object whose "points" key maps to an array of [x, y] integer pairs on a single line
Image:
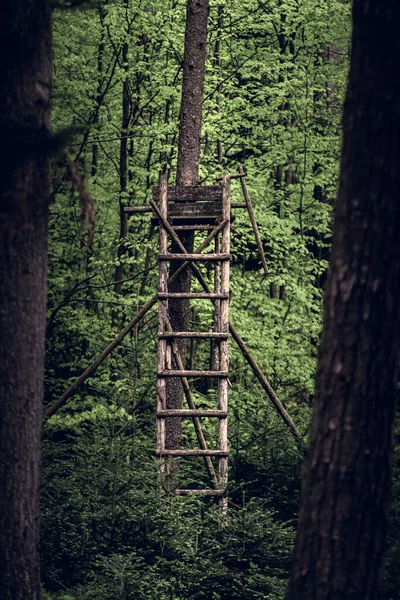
{"points": [[275, 82]]}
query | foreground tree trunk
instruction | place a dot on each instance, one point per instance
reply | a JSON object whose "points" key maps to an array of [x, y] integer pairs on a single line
{"points": [[187, 174], [345, 495], [25, 91]]}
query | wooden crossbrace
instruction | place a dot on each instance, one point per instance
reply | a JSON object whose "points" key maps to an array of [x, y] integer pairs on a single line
{"points": [[199, 257]]}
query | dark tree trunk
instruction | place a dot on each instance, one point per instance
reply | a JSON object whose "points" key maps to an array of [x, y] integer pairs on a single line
{"points": [[187, 174], [25, 91], [345, 496]]}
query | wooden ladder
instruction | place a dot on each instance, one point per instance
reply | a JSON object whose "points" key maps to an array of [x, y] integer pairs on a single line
{"points": [[198, 208]]}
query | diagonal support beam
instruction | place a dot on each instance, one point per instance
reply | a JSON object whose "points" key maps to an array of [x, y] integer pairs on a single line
{"points": [[253, 219]]}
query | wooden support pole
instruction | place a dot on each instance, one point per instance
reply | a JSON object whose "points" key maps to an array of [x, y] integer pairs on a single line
{"points": [[162, 324], [252, 218], [223, 346]]}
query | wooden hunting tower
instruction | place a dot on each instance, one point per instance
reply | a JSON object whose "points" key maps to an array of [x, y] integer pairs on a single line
{"points": [[199, 208]]}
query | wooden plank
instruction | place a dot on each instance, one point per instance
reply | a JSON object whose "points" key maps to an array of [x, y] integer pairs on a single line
{"points": [[191, 193], [133, 210], [199, 492], [193, 334], [196, 452], [192, 373], [198, 257], [162, 414], [194, 295], [235, 176], [195, 210], [194, 227], [162, 317]]}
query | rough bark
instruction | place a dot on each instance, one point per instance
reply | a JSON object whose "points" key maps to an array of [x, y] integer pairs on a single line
{"points": [[25, 91], [345, 495], [187, 175]]}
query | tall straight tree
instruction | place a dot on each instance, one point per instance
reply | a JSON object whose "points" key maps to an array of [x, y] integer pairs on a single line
{"points": [[25, 92], [345, 496], [194, 60]]}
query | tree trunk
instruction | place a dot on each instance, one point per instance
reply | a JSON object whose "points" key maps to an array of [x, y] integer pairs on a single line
{"points": [[25, 92], [345, 495], [187, 174]]}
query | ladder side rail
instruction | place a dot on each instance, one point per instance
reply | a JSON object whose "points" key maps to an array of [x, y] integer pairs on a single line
{"points": [[223, 354], [162, 319]]}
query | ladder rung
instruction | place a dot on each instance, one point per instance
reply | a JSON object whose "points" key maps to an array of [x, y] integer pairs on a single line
{"points": [[193, 227], [199, 257], [200, 492], [192, 334], [186, 224], [221, 414], [192, 453], [199, 295], [189, 373]]}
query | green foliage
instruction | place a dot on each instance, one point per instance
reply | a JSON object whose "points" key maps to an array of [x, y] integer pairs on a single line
{"points": [[105, 523], [275, 81]]}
